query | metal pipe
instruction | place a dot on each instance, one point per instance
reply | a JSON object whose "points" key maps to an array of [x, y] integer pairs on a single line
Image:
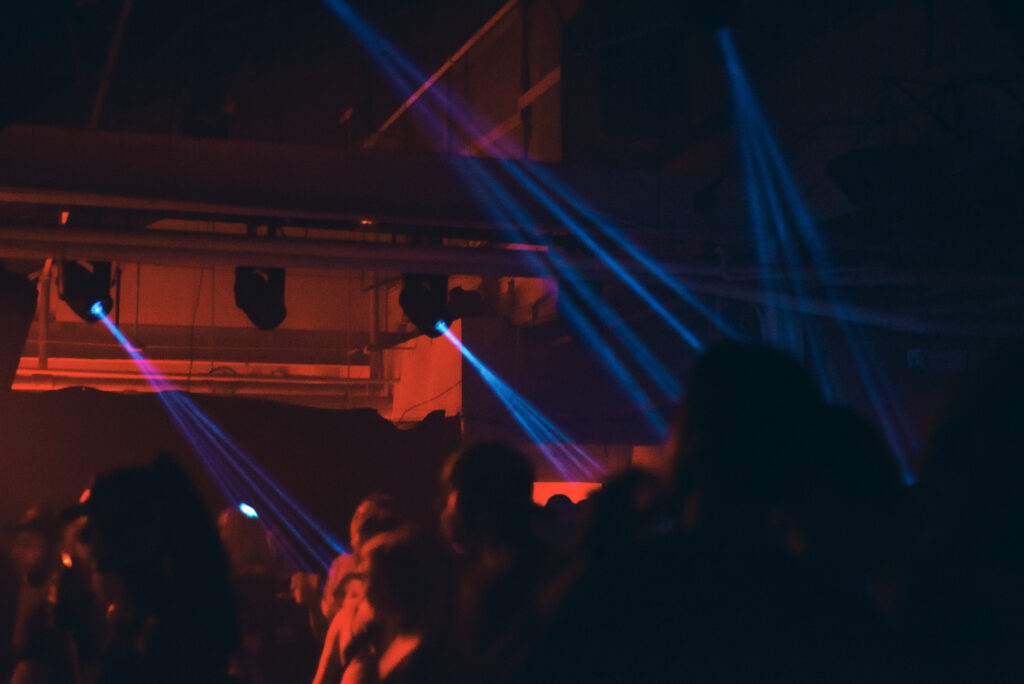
{"points": [[40, 381], [191, 248], [312, 381], [108, 69], [449, 63], [857, 314], [44, 312], [174, 377]]}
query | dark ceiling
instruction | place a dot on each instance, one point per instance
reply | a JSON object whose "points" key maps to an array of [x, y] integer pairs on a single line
{"points": [[903, 119], [187, 66]]}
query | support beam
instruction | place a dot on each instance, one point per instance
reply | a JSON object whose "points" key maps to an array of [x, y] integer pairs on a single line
{"points": [[190, 248]]}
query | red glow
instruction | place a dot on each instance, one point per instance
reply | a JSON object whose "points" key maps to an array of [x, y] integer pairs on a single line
{"points": [[85, 496], [577, 491], [366, 222], [64, 215], [65, 558]]}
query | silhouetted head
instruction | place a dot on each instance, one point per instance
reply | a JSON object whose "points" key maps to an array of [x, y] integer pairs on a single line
{"points": [[246, 542], [35, 543], [746, 425], [489, 495], [151, 537], [974, 472], [966, 598], [629, 510], [560, 506], [401, 579], [376, 514], [852, 492]]}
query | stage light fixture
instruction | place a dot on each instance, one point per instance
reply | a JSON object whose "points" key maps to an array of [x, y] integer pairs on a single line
{"points": [[84, 285], [424, 299], [259, 293]]}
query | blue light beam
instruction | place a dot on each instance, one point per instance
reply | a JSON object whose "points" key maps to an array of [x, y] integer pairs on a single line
{"points": [[761, 138], [230, 467], [404, 74], [554, 444]]}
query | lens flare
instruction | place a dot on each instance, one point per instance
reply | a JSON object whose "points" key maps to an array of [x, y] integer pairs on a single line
{"points": [[248, 511]]}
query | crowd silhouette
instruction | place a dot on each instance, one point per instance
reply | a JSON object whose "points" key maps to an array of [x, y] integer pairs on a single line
{"points": [[784, 547]]}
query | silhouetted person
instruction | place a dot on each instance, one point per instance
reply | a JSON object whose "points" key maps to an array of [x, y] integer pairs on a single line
{"points": [[395, 630], [967, 597], [498, 562], [747, 427], [41, 652], [276, 646], [374, 515], [752, 454], [163, 575], [591, 620], [718, 587], [852, 507], [345, 587]]}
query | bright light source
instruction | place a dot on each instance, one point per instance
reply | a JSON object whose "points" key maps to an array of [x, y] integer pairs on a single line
{"points": [[97, 310], [248, 511], [65, 558], [83, 284], [441, 327]]}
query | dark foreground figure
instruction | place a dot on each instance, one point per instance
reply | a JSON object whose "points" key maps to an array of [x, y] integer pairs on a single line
{"points": [[783, 548]]}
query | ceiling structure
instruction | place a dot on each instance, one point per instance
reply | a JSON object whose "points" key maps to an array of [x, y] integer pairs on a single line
{"points": [[180, 123]]}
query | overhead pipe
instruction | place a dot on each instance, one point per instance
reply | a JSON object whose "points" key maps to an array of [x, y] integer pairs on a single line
{"points": [[449, 63], [191, 248], [207, 385], [188, 248]]}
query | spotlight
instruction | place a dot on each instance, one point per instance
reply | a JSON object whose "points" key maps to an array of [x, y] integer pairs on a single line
{"points": [[85, 288], [247, 510], [424, 299], [259, 292]]}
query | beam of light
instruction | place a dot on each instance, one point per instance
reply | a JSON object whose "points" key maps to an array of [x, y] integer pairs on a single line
{"points": [[556, 447], [404, 74], [496, 199], [511, 215], [585, 328], [781, 328], [493, 196], [235, 473], [790, 254], [772, 162], [248, 511], [537, 177], [614, 233], [515, 169]]}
